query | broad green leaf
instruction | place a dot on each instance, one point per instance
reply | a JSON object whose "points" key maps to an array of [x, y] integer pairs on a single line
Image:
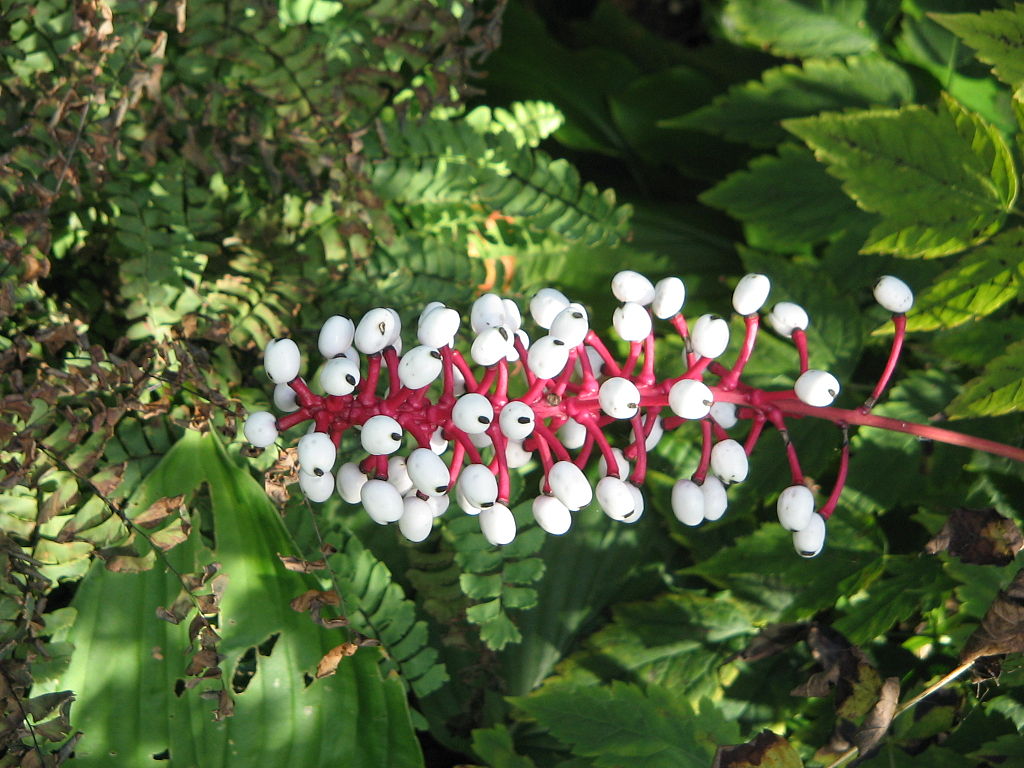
{"points": [[751, 113], [803, 28], [622, 726], [494, 746], [784, 201], [127, 662], [941, 180], [997, 38], [978, 285], [998, 390]]}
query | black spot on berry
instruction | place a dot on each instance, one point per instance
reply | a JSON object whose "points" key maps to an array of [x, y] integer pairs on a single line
{"points": [[504, 333], [396, 436], [487, 505], [382, 327], [524, 419], [318, 472], [483, 419], [578, 315], [441, 489], [351, 379], [435, 354], [559, 343]]}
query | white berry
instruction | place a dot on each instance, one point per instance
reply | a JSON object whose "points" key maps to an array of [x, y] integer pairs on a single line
{"points": [[318, 488], [817, 388], [398, 474], [260, 428], [339, 376], [428, 472], [615, 498], [437, 328], [545, 306], [750, 294], [417, 519], [336, 336], [419, 367], [382, 501], [350, 482], [571, 325], [378, 328], [381, 435], [478, 485], [690, 399], [517, 420], [515, 455], [710, 335], [572, 434], [715, 499], [786, 318], [632, 286], [493, 344], [632, 322], [513, 317], [282, 360], [688, 502], [795, 507], [729, 461], [809, 541], [619, 398], [437, 442], [570, 485], [638, 504], [669, 296], [551, 515], [893, 294], [284, 398], [473, 413], [498, 525], [548, 357], [438, 504], [724, 415], [621, 463], [317, 454]]}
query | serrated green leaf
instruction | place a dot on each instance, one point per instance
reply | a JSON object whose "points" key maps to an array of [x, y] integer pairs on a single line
{"points": [[978, 285], [942, 181], [752, 112], [997, 37], [786, 201], [803, 28], [621, 726], [494, 746], [999, 389]]}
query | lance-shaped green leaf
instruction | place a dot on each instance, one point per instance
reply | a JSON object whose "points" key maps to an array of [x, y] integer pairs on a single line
{"points": [[803, 28], [942, 180], [999, 389], [751, 112], [997, 38], [978, 285]]}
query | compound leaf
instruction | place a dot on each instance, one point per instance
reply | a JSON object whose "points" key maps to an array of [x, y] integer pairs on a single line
{"points": [[997, 38], [803, 28], [999, 389]]}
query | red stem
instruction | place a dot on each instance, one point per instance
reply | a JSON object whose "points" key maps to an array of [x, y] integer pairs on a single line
{"points": [[750, 336], [844, 464], [899, 323]]}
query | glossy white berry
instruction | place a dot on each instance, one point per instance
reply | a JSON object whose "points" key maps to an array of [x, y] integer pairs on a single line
{"points": [[381, 435], [336, 336], [548, 357], [709, 336], [786, 318], [488, 312], [621, 464], [631, 322], [690, 399], [339, 376], [382, 501], [656, 433], [515, 455], [571, 325], [473, 413], [795, 507], [513, 317], [492, 345], [498, 525], [417, 519], [481, 440], [429, 307], [282, 360], [350, 482], [619, 398], [438, 504], [729, 461], [317, 454], [524, 340], [615, 498], [809, 541], [715, 499], [628, 285], [724, 415], [751, 293], [438, 327], [260, 428], [463, 502], [570, 485], [688, 502], [893, 294], [572, 434], [669, 296], [545, 306], [398, 474], [378, 328], [517, 420], [428, 472], [551, 515], [419, 367], [478, 485], [437, 442], [318, 488], [817, 388], [638, 504], [284, 398]]}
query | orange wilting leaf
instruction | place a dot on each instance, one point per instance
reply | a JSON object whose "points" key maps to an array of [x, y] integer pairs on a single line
{"points": [[312, 597], [161, 508], [1002, 627], [979, 537], [300, 565], [329, 663], [766, 750]]}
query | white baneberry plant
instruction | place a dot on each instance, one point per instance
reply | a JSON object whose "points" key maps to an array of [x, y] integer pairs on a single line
{"points": [[465, 424]]}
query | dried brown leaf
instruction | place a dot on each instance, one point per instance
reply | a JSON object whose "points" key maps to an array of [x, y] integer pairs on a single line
{"points": [[766, 750], [126, 559], [159, 510], [300, 565], [878, 719], [979, 537], [1002, 627], [171, 536], [773, 639], [329, 663], [314, 597], [844, 668]]}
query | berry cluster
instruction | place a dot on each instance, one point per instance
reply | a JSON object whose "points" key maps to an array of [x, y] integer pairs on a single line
{"points": [[471, 427]]}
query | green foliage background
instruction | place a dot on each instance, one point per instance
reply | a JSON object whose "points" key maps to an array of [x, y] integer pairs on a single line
{"points": [[181, 182]]}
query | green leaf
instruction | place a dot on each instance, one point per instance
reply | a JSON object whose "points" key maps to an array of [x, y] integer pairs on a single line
{"points": [[978, 285], [494, 746], [997, 38], [803, 28], [752, 112], [999, 389], [787, 200], [942, 181], [621, 726]]}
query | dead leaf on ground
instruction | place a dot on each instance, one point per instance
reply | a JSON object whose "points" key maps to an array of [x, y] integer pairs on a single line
{"points": [[329, 663], [1002, 628], [979, 537], [766, 750]]}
